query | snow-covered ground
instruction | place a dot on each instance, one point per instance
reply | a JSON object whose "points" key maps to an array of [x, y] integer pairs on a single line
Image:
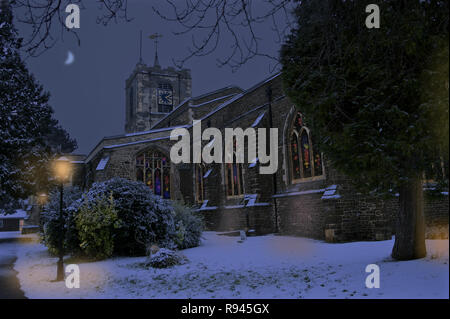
{"points": [[10, 234], [261, 267], [14, 235]]}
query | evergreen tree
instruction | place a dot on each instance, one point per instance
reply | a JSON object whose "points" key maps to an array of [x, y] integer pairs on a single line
{"points": [[377, 98], [28, 133]]}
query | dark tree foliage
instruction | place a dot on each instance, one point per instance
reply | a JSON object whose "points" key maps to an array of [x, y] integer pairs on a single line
{"points": [[59, 140], [28, 133], [377, 98]]}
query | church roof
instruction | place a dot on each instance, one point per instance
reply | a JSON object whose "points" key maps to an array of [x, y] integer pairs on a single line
{"points": [[188, 102], [238, 96], [201, 100]]}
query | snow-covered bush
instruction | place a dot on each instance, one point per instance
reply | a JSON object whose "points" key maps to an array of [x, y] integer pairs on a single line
{"points": [[95, 223], [144, 220], [144, 217], [50, 220], [189, 226], [166, 258]]}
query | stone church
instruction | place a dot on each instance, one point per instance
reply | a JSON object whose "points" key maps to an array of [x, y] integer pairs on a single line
{"points": [[304, 197]]}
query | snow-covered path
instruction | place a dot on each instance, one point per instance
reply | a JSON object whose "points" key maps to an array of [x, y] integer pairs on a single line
{"points": [[261, 267], [10, 243]]}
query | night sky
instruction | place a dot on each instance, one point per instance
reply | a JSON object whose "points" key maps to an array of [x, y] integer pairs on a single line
{"points": [[88, 95]]}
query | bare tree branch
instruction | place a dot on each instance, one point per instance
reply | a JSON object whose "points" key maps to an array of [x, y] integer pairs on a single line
{"points": [[229, 27], [45, 17], [211, 21]]}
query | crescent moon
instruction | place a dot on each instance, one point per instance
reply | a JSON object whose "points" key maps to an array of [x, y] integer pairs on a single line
{"points": [[70, 58]]}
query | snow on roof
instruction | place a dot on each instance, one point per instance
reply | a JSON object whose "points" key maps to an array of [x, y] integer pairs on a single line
{"points": [[311, 191], [211, 143], [251, 200], [155, 130], [174, 110], [273, 77], [207, 173], [198, 105], [206, 207], [136, 142], [234, 206], [213, 100], [198, 97], [238, 96], [221, 106], [253, 163], [330, 193], [258, 119], [101, 165], [19, 214]]}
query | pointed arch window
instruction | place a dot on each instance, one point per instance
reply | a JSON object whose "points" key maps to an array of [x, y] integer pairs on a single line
{"points": [[233, 176], [305, 159], [153, 168], [199, 182]]}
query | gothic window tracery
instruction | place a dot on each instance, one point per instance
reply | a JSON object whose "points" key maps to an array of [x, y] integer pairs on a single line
{"points": [[153, 168], [233, 176], [305, 159]]}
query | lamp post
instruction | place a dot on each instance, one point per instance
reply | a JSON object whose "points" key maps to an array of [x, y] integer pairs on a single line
{"points": [[62, 170], [42, 199]]}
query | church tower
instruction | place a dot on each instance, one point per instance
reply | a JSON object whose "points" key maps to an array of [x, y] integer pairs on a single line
{"points": [[152, 92]]}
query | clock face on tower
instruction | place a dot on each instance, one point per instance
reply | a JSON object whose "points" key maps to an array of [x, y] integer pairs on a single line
{"points": [[165, 97]]}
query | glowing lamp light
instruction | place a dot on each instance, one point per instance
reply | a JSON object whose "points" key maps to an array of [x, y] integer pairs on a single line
{"points": [[42, 199], [62, 169], [62, 173]]}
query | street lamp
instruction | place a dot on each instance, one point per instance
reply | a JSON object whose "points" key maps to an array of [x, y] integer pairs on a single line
{"points": [[42, 199], [62, 171]]}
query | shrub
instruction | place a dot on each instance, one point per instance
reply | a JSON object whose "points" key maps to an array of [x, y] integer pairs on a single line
{"points": [[188, 226], [95, 223], [166, 258], [145, 218], [50, 220]]}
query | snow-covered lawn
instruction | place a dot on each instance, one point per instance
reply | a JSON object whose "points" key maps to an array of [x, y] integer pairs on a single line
{"points": [[6, 235], [261, 267], [10, 234]]}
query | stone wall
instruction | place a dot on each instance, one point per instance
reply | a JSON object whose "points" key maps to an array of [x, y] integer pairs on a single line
{"points": [[291, 208], [436, 216], [259, 219], [143, 113]]}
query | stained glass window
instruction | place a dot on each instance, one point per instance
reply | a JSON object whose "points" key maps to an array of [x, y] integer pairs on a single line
{"points": [[234, 178], [306, 160], [166, 182], [317, 163], [229, 176], [306, 154], [294, 156], [199, 182], [153, 168]]}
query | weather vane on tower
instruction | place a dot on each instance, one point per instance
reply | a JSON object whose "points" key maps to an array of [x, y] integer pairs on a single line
{"points": [[155, 37]]}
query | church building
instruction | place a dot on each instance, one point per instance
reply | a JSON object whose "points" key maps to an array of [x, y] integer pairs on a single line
{"points": [[305, 196]]}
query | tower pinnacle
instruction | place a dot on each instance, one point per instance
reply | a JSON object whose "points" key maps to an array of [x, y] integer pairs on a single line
{"points": [[140, 48], [155, 37]]}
